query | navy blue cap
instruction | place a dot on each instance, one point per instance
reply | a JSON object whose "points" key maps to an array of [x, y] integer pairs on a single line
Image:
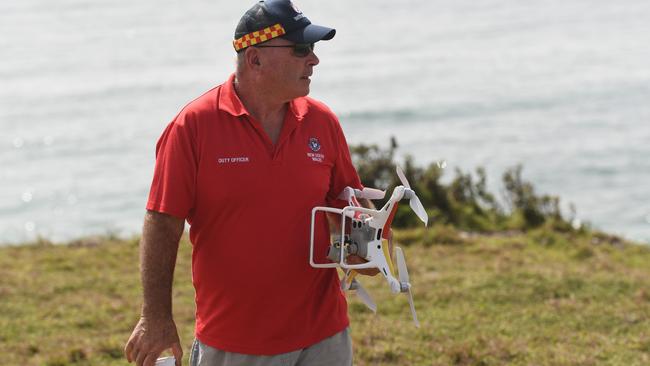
{"points": [[270, 12]]}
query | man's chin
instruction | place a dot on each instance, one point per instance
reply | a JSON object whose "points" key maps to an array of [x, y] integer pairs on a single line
{"points": [[303, 93], [300, 92], [306, 86]]}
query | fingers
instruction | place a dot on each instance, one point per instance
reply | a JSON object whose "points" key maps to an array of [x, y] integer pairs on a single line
{"points": [[127, 351], [136, 351], [177, 351], [369, 271], [141, 356], [149, 339], [147, 356], [129, 348], [355, 259], [150, 360]]}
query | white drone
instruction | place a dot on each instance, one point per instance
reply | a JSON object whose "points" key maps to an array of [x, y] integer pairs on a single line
{"points": [[368, 228]]}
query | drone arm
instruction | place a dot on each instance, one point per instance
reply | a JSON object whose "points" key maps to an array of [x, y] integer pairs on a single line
{"points": [[386, 268], [311, 236]]}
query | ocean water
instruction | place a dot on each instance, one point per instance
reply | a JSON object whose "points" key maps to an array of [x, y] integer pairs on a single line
{"points": [[562, 87]]}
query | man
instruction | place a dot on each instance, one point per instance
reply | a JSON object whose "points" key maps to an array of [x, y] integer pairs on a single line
{"points": [[244, 164]]}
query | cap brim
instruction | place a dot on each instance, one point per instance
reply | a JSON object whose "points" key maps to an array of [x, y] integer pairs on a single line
{"points": [[311, 34]]}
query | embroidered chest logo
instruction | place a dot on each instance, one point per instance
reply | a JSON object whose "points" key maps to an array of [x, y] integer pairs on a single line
{"points": [[314, 144]]}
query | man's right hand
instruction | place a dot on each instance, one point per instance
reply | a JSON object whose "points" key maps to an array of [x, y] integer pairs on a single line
{"points": [[150, 338]]}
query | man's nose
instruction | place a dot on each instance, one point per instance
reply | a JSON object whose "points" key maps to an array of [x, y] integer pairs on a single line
{"points": [[312, 59]]}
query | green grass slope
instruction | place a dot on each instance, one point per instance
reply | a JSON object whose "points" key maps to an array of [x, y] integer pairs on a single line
{"points": [[540, 298]]}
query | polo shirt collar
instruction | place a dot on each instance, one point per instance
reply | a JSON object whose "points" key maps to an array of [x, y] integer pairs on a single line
{"points": [[229, 102], [299, 108]]}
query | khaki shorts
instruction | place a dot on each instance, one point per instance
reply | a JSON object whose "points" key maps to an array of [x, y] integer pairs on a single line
{"points": [[333, 351]]}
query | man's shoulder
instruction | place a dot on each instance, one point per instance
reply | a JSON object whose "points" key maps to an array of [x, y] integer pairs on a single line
{"points": [[206, 102], [315, 106], [311, 109], [202, 108]]}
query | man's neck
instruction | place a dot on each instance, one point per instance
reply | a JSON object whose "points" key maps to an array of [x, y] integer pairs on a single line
{"points": [[259, 102], [260, 105]]}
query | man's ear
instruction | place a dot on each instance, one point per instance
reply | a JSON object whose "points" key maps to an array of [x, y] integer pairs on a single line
{"points": [[252, 57]]}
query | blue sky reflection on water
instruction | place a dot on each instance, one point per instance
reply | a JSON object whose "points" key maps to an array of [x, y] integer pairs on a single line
{"points": [[562, 87]]}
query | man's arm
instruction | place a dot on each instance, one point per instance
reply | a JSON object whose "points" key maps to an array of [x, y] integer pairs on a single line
{"points": [[156, 330]]}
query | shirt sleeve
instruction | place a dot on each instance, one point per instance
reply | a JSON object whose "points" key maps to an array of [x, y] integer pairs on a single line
{"points": [[173, 186], [343, 173]]}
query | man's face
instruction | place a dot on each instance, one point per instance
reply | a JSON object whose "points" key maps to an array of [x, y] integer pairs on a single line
{"points": [[285, 74]]}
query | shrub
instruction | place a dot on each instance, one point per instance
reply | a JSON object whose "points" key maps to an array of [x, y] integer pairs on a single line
{"points": [[465, 203]]}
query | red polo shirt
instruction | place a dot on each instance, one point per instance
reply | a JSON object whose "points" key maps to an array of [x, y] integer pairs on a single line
{"points": [[249, 206]]}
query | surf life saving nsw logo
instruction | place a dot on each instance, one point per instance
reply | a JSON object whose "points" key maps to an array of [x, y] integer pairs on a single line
{"points": [[314, 145]]}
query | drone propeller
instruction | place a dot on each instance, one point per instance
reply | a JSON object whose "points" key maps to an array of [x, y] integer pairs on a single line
{"points": [[363, 295], [348, 282], [370, 193], [414, 201], [367, 193], [404, 281], [402, 177]]}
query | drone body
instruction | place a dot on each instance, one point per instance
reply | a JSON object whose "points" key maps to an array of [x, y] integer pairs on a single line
{"points": [[368, 238]]}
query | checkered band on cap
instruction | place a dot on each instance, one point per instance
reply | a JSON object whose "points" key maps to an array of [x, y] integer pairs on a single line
{"points": [[260, 36]]}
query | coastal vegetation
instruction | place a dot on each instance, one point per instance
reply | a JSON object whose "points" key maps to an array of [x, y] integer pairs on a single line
{"points": [[465, 203], [497, 281]]}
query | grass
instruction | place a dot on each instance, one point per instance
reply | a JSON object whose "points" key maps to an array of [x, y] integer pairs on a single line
{"points": [[537, 298]]}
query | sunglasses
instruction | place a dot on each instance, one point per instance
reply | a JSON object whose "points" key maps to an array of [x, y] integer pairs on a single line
{"points": [[299, 49]]}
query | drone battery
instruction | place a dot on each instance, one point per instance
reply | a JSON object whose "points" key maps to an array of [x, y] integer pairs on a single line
{"points": [[360, 235]]}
